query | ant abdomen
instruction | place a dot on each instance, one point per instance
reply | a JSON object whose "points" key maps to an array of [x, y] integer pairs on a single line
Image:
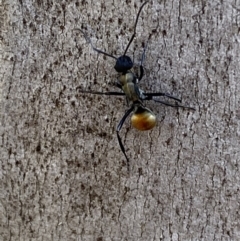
{"points": [[143, 119]]}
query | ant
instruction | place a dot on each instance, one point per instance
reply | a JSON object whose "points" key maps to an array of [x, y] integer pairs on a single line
{"points": [[142, 118]]}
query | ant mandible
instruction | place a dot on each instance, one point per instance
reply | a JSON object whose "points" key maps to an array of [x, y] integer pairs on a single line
{"points": [[142, 118]]}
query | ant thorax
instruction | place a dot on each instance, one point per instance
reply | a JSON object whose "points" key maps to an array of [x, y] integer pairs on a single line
{"points": [[129, 87]]}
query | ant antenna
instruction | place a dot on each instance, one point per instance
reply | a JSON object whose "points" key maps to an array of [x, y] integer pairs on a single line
{"points": [[135, 26], [89, 41]]}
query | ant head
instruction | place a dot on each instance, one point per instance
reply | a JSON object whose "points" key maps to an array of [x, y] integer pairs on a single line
{"points": [[123, 64], [143, 118]]}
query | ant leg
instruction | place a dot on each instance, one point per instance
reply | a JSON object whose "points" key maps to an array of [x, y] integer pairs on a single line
{"points": [[149, 96], [119, 127], [117, 84], [141, 73], [176, 106], [141, 65], [102, 93], [90, 42], [135, 26]]}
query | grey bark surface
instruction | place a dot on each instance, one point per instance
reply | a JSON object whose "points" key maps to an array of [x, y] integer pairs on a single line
{"points": [[62, 173]]}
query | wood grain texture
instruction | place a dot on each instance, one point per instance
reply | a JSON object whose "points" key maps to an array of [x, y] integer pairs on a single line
{"points": [[63, 175]]}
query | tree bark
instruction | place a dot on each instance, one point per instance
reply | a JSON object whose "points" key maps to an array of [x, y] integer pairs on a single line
{"points": [[63, 175]]}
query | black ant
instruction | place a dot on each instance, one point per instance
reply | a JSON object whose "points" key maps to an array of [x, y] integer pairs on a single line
{"points": [[142, 117]]}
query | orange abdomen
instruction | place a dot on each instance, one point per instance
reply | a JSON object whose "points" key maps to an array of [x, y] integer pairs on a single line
{"points": [[144, 120]]}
